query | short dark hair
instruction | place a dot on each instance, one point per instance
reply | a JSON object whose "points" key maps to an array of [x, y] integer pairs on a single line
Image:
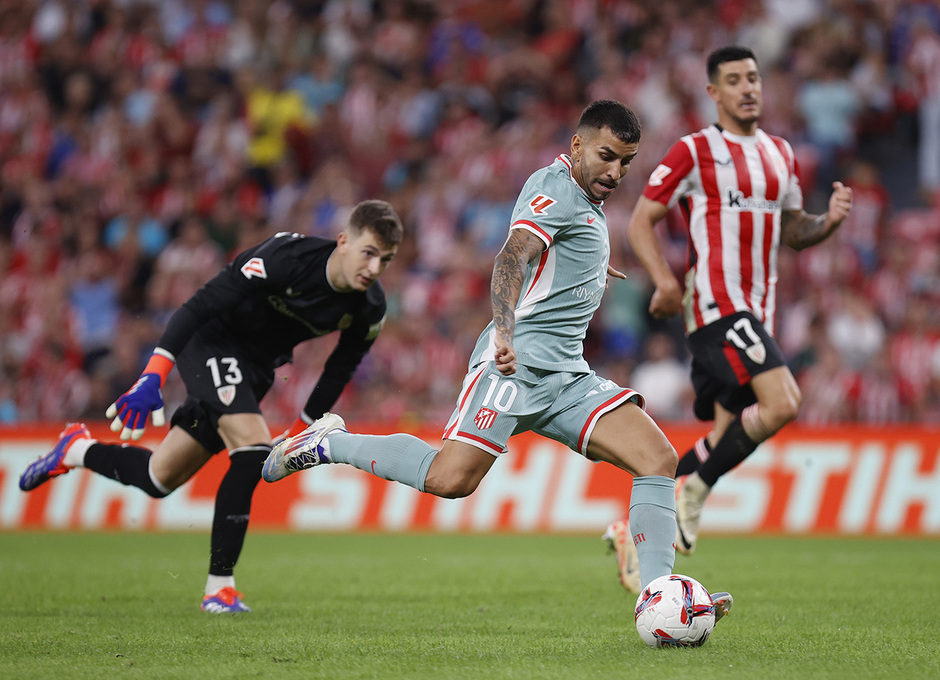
{"points": [[614, 115], [724, 54], [378, 217]]}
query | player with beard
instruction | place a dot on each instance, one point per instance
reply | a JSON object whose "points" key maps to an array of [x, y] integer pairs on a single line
{"points": [[528, 372], [738, 190]]}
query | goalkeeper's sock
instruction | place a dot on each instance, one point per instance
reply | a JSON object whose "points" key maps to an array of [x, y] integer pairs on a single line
{"points": [[653, 525], [396, 457], [232, 507], [215, 583], [129, 465], [75, 453]]}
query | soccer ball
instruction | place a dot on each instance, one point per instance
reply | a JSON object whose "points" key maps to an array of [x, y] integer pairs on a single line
{"points": [[675, 611]]}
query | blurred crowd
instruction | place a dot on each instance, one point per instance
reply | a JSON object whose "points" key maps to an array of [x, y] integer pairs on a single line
{"points": [[144, 143]]}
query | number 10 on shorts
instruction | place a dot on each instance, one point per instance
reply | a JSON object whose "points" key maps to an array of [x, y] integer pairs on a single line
{"points": [[501, 396]]}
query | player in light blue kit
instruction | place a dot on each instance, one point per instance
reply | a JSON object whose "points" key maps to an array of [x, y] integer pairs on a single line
{"points": [[527, 372]]}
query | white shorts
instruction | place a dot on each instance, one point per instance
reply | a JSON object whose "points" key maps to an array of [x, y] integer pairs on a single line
{"points": [[559, 405]]}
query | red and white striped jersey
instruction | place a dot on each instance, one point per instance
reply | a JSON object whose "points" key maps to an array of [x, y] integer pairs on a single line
{"points": [[732, 190], [923, 60]]}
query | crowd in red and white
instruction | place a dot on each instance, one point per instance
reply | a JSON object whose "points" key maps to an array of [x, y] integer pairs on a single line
{"points": [[144, 142]]}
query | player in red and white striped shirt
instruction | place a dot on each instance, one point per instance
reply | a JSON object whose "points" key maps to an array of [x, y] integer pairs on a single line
{"points": [[738, 190]]}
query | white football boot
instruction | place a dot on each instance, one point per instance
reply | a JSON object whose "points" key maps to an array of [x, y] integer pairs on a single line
{"points": [[722, 603], [620, 540], [302, 451], [689, 506]]}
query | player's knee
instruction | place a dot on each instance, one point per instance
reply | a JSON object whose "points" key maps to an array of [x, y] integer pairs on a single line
{"points": [[456, 473], [454, 484], [783, 410], [792, 406], [456, 487], [660, 460], [666, 460]]}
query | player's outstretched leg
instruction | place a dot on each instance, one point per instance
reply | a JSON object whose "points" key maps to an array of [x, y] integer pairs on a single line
{"points": [[224, 601], [301, 451], [620, 540], [689, 506], [722, 603], [50, 465]]}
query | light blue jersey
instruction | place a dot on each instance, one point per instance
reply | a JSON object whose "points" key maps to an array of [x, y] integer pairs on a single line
{"points": [[564, 287]]}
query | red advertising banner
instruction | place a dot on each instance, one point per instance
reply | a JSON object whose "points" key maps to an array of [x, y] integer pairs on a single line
{"points": [[836, 481]]}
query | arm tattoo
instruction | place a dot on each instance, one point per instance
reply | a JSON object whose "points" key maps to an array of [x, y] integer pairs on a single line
{"points": [[800, 230], [520, 248]]}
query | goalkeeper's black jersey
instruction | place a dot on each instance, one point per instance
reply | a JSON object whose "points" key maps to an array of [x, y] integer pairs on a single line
{"points": [[274, 296]]}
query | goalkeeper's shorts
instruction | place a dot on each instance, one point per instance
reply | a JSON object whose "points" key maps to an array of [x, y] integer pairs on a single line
{"points": [[220, 379]]}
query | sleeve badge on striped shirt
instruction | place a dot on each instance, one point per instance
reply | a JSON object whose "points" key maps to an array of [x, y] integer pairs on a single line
{"points": [[659, 174]]}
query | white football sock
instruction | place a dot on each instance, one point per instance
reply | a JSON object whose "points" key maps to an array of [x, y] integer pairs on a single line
{"points": [[75, 453], [215, 583]]}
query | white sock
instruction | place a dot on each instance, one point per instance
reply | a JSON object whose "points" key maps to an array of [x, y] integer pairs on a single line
{"points": [[75, 453], [215, 583]]}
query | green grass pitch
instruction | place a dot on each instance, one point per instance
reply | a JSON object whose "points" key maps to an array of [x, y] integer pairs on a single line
{"points": [[125, 605]]}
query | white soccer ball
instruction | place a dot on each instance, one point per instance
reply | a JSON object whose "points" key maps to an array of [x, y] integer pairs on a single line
{"points": [[675, 611]]}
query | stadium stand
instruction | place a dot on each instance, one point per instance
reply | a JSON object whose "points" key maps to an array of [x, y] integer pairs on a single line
{"points": [[142, 143]]}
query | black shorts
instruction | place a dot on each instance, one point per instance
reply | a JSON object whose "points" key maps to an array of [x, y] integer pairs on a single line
{"points": [[726, 355], [220, 378]]}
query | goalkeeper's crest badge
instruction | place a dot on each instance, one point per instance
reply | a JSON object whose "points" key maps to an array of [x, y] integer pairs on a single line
{"points": [[375, 329], [226, 394]]}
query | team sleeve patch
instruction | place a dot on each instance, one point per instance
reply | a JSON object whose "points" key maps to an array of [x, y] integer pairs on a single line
{"points": [[659, 174], [540, 204], [375, 329], [665, 184], [254, 268]]}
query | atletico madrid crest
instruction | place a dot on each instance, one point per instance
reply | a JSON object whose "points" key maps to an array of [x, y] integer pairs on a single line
{"points": [[484, 418]]}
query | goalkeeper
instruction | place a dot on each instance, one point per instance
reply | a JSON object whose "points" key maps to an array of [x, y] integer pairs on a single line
{"points": [[226, 342]]}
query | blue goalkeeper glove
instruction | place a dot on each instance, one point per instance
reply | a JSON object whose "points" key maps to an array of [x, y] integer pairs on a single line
{"points": [[145, 398]]}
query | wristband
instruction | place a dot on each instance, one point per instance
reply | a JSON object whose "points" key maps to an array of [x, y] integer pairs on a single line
{"points": [[161, 362]]}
